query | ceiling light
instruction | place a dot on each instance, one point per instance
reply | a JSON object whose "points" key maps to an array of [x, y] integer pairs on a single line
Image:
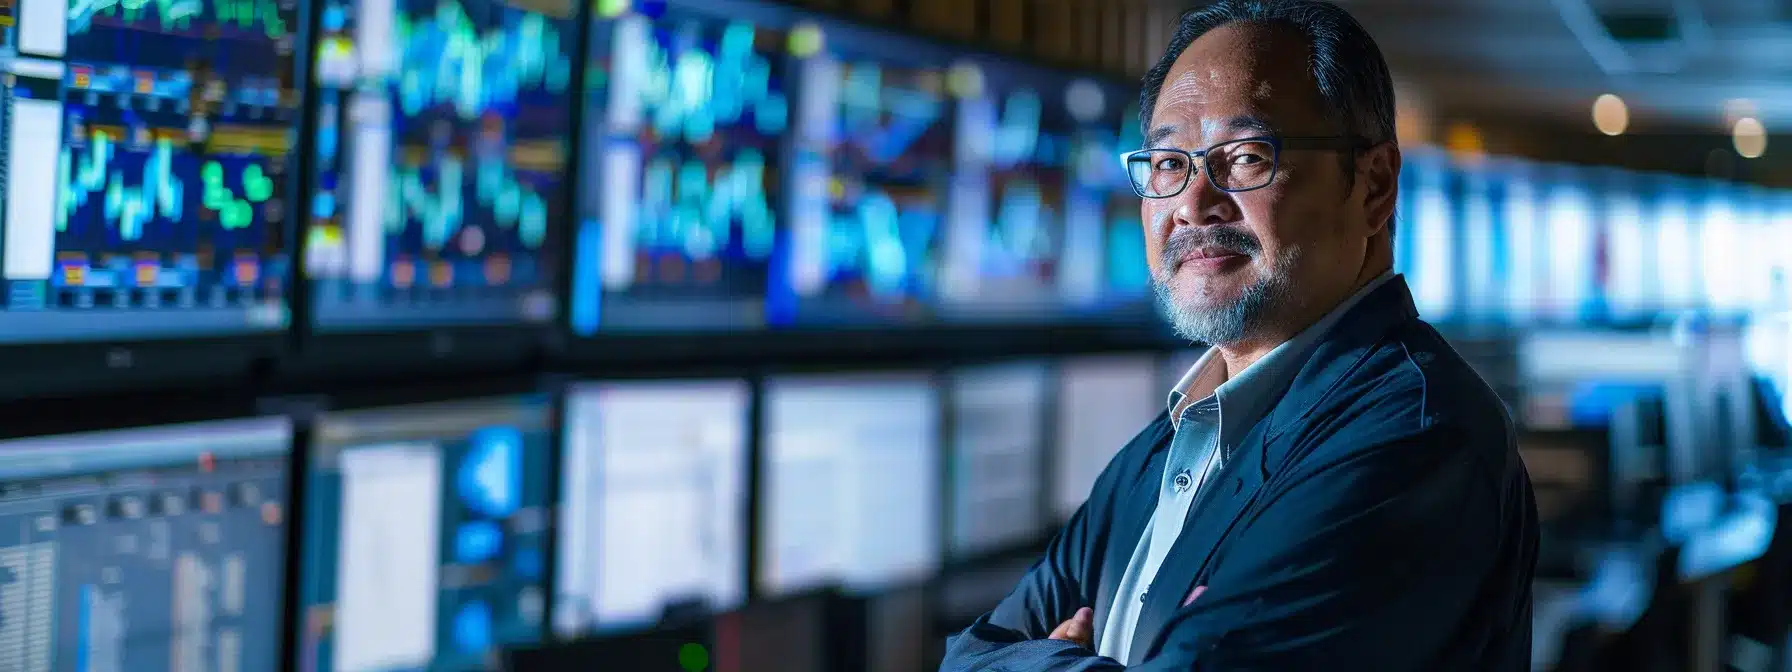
{"points": [[1609, 115], [1750, 137]]}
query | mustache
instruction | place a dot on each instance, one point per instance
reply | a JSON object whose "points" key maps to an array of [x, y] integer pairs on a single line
{"points": [[1192, 238]]}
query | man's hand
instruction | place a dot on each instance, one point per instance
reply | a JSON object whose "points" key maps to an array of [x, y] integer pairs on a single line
{"points": [[1079, 629]]}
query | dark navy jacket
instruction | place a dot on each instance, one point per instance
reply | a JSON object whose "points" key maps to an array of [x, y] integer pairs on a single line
{"points": [[1378, 518]]}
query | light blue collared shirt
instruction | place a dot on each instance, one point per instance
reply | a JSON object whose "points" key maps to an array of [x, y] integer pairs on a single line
{"points": [[1207, 429]]}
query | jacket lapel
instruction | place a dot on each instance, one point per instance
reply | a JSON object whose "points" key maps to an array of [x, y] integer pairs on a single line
{"points": [[1224, 499], [1216, 508], [1132, 513]]}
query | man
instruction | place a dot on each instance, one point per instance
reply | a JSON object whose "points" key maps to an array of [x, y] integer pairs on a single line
{"points": [[1332, 487]]}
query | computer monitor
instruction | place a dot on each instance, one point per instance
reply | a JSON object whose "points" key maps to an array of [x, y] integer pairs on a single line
{"points": [[1519, 264], [653, 503], [1425, 238], [851, 481], [425, 536], [147, 171], [678, 216], [443, 131], [159, 548], [1102, 191], [1725, 239], [1103, 402], [1572, 235], [1005, 227], [1629, 284], [997, 461], [870, 178], [1677, 230]]}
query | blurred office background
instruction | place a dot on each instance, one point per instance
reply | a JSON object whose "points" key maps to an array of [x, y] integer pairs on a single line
{"points": [[742, 335]]}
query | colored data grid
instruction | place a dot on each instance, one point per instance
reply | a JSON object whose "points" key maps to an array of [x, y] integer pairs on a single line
{"points": [[175, 127], [892, 161], [440, 171], [713, 109]]}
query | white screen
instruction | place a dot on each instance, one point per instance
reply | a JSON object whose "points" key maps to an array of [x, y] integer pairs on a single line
{"points": [[653, 498], [1678, 257], [1632, 289], [1433, 237], [1522, 264], [1571, 254], [998, 448], [1722, 257], [386, 564], [1103, 402], [1482, 288], [852, 481]]}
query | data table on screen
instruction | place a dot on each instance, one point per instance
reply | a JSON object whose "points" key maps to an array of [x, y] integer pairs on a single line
{"points": [[1103, 402], [159, 549], [146, 163], [653, 503], [678, 216], [851, 468], [425, 536], [442, 145], [997, 463], [874, 139]]}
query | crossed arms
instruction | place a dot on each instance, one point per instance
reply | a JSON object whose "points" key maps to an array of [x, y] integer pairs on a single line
{"points": [[1374, 559]]}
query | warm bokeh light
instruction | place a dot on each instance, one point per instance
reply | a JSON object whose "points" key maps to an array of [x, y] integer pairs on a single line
{"points": [[1610, 115], [1750, 137]]}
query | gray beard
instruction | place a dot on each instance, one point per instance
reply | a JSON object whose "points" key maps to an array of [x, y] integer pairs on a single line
{"points": [[1230, 323]]}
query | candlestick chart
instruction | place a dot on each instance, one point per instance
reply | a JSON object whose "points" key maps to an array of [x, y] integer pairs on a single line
{"points": [[713, 109], [474, 119], [891, 164], [171, 178]]}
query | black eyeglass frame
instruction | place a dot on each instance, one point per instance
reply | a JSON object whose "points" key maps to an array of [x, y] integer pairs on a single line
{"points": [[1348, 143]]}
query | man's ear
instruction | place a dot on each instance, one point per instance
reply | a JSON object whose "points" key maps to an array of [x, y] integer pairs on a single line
{"points": [[1378, 174]]}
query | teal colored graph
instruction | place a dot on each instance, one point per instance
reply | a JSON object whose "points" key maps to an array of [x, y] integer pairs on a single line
{"points": [[691, 92], [438, 204], [181, 15], [447, 59], [158, 193], [683, 210]]}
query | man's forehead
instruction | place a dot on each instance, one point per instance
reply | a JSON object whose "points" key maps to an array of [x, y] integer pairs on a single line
{"points": [[1237, 77]]}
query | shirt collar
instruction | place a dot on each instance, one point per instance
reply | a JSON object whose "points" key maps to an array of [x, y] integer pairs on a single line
{"points": [[1248, 394]]}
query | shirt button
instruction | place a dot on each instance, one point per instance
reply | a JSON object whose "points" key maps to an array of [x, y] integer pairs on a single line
{"points": [[1183, 481]]}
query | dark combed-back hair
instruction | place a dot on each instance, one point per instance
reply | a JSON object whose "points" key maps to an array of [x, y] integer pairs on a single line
{"points": [[1348, 67]]}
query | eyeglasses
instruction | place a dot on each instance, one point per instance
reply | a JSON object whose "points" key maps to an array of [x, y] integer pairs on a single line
{"points": [[1232, 166]]}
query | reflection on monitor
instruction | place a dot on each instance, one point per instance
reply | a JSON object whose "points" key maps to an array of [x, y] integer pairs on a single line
{"points": [[1103, 402], [155, 550], [851, 480], [677, 224], [425, 535], [442, 138], [146, 169], [997, 460], [653, 502], [876, 166], [1006, 226]]}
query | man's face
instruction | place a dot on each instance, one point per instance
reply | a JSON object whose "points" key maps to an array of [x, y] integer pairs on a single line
{"points": [[1226, 265]]}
